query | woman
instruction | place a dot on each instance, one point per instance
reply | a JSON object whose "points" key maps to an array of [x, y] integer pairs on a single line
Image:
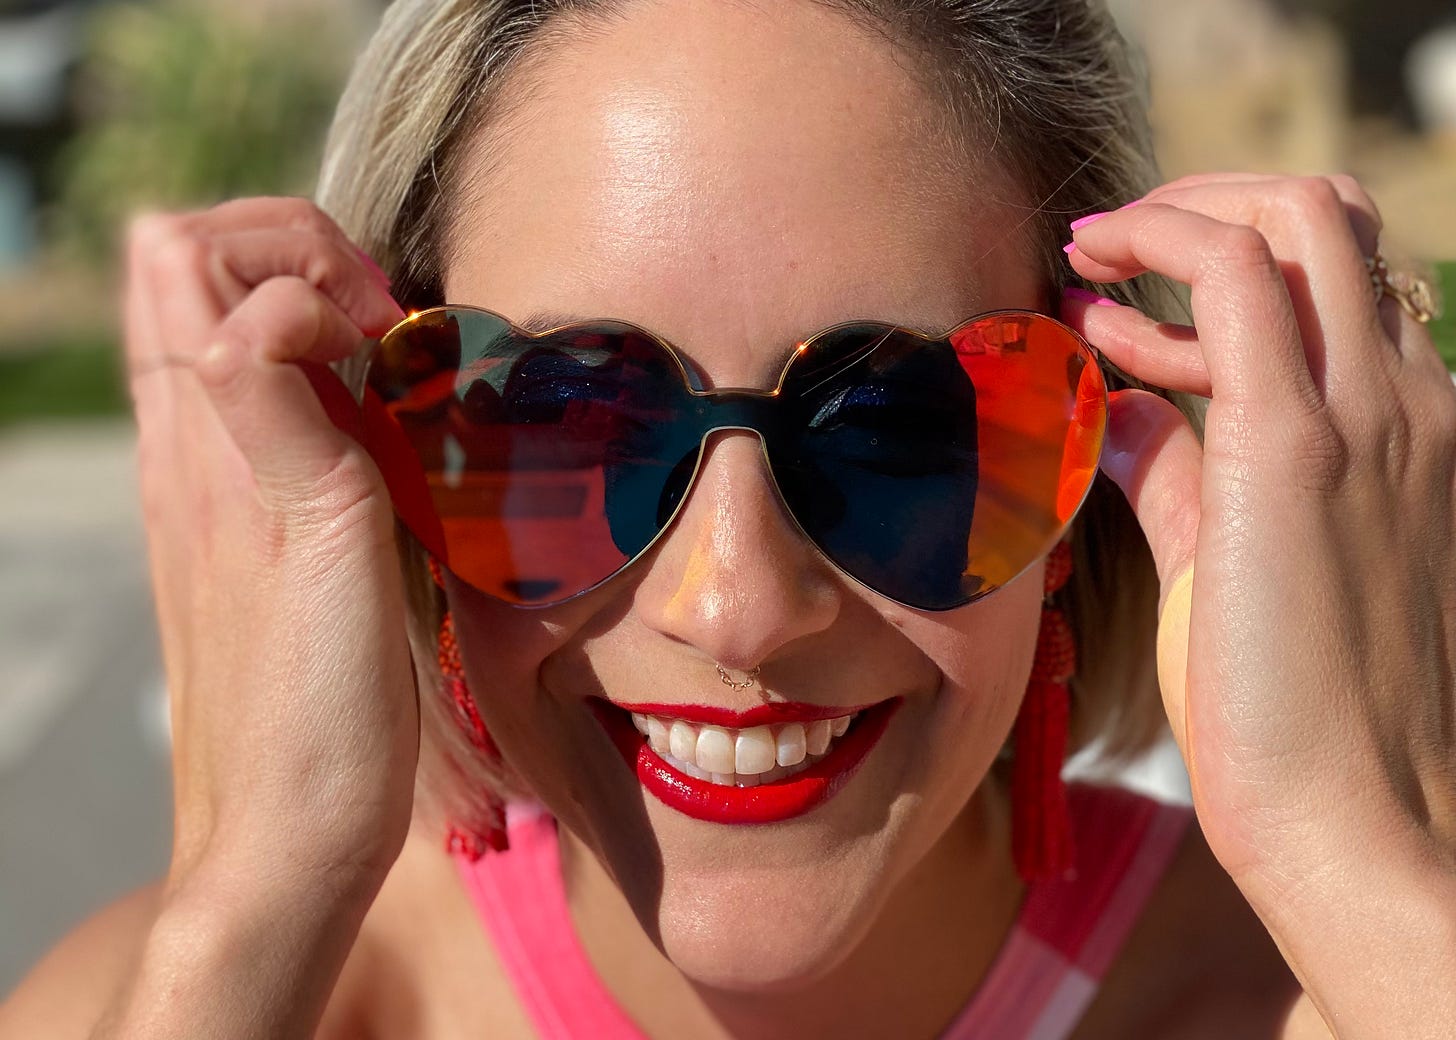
{"points": [[733, 178]]}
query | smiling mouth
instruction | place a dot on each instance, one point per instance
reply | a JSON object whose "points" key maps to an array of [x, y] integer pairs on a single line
{"points": [[765, 765]]}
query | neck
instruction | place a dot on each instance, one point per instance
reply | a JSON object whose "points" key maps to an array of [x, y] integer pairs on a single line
{"points": [[931, 945]]}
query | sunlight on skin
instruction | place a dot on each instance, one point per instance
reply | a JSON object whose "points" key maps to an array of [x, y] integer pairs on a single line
{"points": [[673, 189]]}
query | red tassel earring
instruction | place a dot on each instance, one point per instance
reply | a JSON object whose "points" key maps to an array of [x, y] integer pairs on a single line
{"points": [[471, 843], [1041, 826]]}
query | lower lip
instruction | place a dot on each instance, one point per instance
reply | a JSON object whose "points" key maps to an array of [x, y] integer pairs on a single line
{"points": [[764, 803]]}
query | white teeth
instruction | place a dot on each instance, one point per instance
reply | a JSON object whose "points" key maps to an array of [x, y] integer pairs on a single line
{"points": [[790, 747], [715, 750], [682, 741], [817, 736], [753, 751], [742, 758], [738, 779], [693, 771]]}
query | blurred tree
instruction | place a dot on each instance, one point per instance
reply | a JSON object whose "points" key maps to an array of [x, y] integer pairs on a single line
{"points": [[182, 104]]}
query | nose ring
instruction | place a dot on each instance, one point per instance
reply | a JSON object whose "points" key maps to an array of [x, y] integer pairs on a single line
{"points": [[728, 680]]}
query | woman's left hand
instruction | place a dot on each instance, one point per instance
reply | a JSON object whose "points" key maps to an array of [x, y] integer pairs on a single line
{"points": [[1319, 515]]}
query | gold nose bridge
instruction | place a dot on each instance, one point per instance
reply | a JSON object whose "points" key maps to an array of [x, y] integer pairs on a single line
{"points": [[719, 435], [716, 534]]}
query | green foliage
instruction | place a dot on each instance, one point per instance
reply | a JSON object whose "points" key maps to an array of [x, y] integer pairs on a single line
{"points": [[71, 380], [1444, 327], [186, 104]]}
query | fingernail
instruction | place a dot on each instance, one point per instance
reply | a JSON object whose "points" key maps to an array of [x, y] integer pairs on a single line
{"points": [[374, 268], [1082, 222], [1119, 448], [1073, 292], [1069, 248], [339, 405], [398, 315], [1126, 438]]}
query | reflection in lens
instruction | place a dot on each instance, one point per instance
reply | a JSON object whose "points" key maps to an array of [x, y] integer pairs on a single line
{"points": [[933, 471], [879, 461], [547, 459], [936, 471]]}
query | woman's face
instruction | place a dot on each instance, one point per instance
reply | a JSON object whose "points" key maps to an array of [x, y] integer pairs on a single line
{"points": [[735, 178]]}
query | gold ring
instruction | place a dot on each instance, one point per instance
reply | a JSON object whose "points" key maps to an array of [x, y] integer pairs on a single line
{"points": [[1411, 292], [156, 362]]}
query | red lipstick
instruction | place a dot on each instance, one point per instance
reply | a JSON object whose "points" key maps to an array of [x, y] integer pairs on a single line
{"points": [[759, 715], [763, 803]]}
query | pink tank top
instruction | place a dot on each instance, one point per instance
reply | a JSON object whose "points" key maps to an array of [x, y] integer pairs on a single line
{"points": [[1060, 946]]}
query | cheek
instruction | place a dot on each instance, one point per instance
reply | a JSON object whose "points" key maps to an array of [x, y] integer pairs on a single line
{"points": [[984, 654], [503, 649], [530, 681]]}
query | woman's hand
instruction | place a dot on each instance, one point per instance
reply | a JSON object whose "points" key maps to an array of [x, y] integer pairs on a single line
{"points": [[1319, 721], [294, 722]]}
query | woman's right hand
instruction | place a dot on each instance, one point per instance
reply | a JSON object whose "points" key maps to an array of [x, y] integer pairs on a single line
{"points": [[295, 725]]}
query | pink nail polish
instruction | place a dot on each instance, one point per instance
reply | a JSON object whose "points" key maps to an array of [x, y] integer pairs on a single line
{"points": [[374, 268], [1069, 248], [1074, 292], [1082, 222]]}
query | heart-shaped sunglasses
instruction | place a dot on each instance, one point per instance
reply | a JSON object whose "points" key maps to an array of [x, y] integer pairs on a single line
{"points": [[933, 470]]}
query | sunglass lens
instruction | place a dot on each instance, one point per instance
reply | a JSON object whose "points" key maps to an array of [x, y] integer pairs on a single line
{"points": [[548, 462], [879, 465], [935, 471]]}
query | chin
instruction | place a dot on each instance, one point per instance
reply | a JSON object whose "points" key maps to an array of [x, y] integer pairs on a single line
{"points": [[758, 914], [772, 896]]}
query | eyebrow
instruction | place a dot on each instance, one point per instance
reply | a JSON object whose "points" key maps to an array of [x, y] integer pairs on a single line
{"points": [[544, 321]]}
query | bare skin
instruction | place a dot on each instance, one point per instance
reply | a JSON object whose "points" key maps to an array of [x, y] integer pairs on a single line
{"points": [[632, 195], [1198, 965], [772, 930]]}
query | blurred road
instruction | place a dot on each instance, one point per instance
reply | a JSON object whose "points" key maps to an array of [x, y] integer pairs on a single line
{"points": [[84, 788]]}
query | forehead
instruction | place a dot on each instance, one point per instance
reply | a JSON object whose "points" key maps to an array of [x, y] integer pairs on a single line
{"points": [[731, 177]]}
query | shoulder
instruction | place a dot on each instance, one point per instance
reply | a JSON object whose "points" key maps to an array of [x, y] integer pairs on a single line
{"points": [[1198, 962], [65, 994], [423, 964]]}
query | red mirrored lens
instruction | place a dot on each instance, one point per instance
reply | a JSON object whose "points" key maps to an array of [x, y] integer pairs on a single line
{"points": [[935, 471], [1041, 412], [535, 467]]}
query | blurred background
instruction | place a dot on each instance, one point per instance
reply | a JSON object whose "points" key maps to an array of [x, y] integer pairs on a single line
{"points": [[109, 107]]}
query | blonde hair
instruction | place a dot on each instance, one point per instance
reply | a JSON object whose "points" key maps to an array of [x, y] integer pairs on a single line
{"points": [[1044, 85]]}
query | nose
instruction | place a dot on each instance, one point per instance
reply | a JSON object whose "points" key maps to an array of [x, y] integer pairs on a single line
{"points": [[733, 577]]}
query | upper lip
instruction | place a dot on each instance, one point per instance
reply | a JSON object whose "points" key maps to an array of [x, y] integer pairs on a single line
{"points": [[769, 714]]}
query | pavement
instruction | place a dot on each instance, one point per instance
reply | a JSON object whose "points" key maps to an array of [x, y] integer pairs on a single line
{"points": [[85, 794]]}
